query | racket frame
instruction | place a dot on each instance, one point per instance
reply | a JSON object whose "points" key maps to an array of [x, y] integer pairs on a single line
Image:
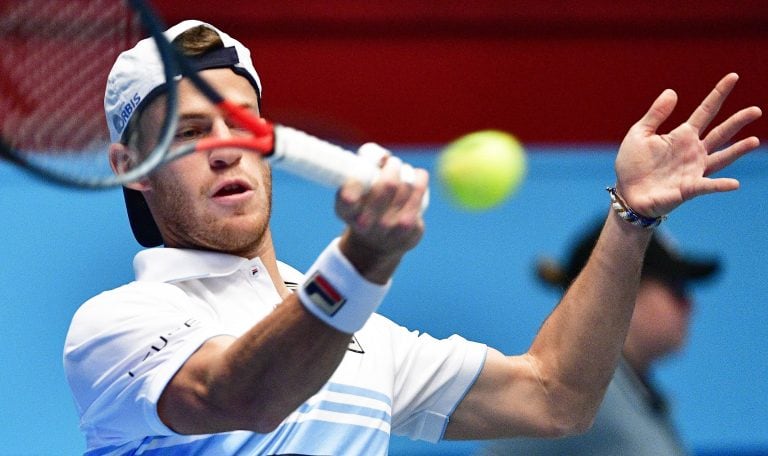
{"points": [[158, 153]]}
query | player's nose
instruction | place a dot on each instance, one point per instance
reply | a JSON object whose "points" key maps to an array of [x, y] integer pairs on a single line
{"points": [[224, 156]]}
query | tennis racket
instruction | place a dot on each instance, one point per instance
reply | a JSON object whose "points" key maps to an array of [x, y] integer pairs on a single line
{"points": [[55, 63]]}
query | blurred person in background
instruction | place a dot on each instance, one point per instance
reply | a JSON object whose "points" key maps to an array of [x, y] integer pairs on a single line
{"points": [[634, 418]]}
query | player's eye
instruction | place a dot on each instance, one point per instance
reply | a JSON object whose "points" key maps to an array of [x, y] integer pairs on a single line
{"points": [[190, 132]]}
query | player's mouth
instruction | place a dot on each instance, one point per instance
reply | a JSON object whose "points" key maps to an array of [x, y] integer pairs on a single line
{"points": [[232, 192]]}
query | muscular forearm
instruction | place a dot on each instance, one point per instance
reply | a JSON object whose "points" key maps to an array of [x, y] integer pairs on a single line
{"points": [[579, 345], [257, 380], [556, 387]]}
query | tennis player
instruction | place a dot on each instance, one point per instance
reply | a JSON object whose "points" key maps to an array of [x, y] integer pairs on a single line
{"points": [[219, 348]]}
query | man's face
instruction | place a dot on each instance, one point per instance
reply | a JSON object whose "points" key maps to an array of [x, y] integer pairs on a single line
{"points": [[219, 199]]}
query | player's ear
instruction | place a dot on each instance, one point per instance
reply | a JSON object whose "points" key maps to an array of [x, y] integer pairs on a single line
{"points": [[121, 159]]}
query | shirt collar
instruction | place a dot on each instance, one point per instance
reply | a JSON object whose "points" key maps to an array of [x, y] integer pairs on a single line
{"points": [[165, 264]]}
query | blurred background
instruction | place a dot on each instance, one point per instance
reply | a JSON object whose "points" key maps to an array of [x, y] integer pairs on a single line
{"points": [[567, 78], [415, 72]]}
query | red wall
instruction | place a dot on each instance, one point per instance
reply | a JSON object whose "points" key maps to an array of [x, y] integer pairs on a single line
{"points": [[403, 71]]}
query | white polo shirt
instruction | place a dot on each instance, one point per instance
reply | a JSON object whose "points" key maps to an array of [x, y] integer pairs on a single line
{"points": [[124, 345]]}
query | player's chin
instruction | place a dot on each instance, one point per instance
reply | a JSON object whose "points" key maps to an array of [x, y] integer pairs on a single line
{"points": [[237, 233], [243, 220]]}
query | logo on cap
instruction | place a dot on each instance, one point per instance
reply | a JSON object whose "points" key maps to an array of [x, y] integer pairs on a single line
{"points": [[120, 120]]}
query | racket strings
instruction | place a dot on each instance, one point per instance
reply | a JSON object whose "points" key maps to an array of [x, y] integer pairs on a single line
{"points": [[54, 66]]}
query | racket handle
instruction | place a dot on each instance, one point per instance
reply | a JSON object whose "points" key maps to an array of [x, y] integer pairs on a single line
{"points": [[319, 161], [324, 163]]}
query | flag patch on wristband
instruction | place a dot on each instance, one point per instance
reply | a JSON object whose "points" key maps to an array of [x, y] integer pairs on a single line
{"points": [[323, 294]]}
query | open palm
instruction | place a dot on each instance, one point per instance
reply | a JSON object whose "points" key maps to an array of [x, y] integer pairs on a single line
{"points": [[657, 172]]}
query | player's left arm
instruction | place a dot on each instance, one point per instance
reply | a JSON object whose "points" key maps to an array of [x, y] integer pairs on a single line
{"points": [[557, 386]]}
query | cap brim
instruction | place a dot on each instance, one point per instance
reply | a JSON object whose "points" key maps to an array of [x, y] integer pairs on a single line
{"points": [[665, 261], [686, 269], [142, 223], [661, 260]]}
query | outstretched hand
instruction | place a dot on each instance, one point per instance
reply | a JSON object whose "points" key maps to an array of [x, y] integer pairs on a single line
{"points": [[655, 172]]}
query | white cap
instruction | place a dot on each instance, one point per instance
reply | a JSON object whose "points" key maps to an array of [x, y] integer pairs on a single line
{"points": [[139, 71]]}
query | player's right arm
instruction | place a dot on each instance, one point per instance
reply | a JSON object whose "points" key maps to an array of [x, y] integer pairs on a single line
{"points": [[255, 381]]}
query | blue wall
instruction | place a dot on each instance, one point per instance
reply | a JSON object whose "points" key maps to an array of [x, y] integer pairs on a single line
{"points": [[471, 274]]}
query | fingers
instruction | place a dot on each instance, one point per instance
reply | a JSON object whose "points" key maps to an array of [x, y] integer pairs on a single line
{"points": [[708, 109], [416, 203], [387, 192], [394, 201], [723, 184], [659, 112], [723, 158], [723, 133], [349, 200], [663, 106]]}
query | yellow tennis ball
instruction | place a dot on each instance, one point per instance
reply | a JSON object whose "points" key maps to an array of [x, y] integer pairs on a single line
{"points": [[481, 169]]}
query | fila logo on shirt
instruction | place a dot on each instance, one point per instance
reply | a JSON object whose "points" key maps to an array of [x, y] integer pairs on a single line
{"points": [[324, 295]]}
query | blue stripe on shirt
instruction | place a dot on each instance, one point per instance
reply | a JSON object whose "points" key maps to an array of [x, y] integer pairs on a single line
{"points": [[310, 436]]}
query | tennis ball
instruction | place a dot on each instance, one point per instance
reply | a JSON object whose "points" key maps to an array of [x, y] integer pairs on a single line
{"points": [[480, 170]]}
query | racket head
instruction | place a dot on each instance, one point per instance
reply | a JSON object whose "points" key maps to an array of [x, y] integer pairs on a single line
{"points": [[53, 71]]}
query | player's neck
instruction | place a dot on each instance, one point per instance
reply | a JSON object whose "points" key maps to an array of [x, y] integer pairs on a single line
{"points": [[265, 251]]}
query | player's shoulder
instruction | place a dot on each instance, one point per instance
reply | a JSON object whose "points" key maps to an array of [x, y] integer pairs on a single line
{"points": [[381, 327], [137, 291], [130, 298]]}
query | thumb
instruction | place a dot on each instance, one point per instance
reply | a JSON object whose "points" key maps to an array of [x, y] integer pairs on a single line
{"points": [[659, 112]]}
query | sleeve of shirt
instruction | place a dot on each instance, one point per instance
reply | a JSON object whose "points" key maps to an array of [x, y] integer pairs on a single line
{"points": [[122, 349], [432, 377]]}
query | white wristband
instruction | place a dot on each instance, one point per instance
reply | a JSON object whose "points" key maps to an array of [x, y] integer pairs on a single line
{"points": [[337, 294]]}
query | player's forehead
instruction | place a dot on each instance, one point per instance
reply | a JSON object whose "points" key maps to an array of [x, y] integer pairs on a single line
{"points": [[227, 83], [191, 102]]}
